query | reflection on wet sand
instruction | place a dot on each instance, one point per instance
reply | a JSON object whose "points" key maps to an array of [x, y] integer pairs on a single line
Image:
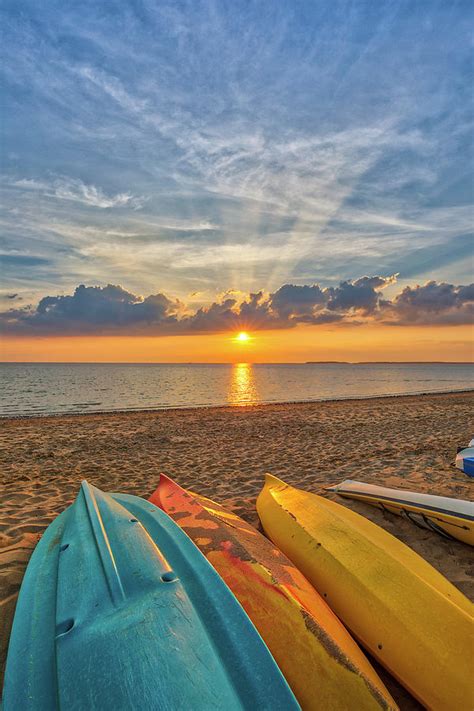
{"points": [[242, 389]]}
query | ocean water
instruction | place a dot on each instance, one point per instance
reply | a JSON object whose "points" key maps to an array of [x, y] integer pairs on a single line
{"points": [[28, 389]]}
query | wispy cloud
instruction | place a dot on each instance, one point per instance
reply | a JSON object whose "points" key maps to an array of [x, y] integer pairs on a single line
{"points": [[113, 87], [77, 191]]}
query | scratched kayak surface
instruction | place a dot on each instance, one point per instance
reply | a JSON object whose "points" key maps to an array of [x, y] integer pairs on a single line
{"points": [[119, 610], [324, 666], [408, 615]]}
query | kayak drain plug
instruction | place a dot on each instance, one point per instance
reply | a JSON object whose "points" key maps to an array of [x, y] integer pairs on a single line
{"points": [[169, 576]]}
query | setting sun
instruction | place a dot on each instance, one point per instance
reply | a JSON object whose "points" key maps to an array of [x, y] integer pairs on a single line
{"points": [[242, 337]]}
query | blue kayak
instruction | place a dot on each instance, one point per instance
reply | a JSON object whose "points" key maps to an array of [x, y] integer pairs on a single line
{"points": [[465, 460], [119, 610]]}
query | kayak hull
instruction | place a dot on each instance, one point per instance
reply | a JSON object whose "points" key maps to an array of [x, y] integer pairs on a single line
{"points": [[465, 460], [453, 518], [323, 665], [119, 609], [410, 618]]}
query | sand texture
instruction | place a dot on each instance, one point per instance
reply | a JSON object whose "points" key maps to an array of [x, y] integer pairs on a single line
{"points": [[405, 442]]}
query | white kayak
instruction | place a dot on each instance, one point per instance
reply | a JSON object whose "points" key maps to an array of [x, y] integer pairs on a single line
{"points": [[452, 518]]}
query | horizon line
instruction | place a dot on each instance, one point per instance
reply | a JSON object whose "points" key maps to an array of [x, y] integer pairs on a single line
{"points": [[243, 362]]}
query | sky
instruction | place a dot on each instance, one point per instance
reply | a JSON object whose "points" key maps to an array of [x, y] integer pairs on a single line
{"points": [[173, 173]]}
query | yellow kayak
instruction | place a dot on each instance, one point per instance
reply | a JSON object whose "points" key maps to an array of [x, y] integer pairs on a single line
{"points": [[452, 518], [321, 662], [410, 618]]}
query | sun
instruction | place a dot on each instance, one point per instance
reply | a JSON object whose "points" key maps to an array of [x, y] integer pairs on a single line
{"points": [[242, 337]]}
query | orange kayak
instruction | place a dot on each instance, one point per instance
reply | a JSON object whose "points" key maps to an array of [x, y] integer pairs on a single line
{"points": [[321, 662]]}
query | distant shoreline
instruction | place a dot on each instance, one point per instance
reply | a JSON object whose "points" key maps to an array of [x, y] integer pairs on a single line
{"points": [[388, 362]]}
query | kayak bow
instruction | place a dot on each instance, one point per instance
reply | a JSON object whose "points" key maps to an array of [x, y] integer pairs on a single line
{"points": [[119, 610], [323, 665], [402, 610]]}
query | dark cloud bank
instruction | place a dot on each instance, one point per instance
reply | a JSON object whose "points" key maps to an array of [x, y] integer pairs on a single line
{"points": [[113, 310]]}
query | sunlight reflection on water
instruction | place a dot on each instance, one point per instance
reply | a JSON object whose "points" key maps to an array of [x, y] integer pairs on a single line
{"points": [[58, 388], [243, 390]]}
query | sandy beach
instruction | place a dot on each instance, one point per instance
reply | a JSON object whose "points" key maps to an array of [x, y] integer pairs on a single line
{"points": [[407, 442]]}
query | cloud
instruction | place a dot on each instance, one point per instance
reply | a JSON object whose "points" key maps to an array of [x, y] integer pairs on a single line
{"points": [[114, 310], [93, 309], [434, 303], [112, 87], [296, 301], [76, 190], [360, 295]]}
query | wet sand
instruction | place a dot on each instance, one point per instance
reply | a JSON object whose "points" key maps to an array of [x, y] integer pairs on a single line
{"points": [[406, 442]]}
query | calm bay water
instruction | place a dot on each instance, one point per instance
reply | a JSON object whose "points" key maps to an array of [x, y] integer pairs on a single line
{"points": [[55, 388]]}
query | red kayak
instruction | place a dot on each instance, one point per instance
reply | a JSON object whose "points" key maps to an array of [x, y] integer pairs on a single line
{"points": [[323, 665]]}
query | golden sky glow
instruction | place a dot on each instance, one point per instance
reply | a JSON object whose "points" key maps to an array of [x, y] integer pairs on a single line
{"points": [[367, 343]]}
